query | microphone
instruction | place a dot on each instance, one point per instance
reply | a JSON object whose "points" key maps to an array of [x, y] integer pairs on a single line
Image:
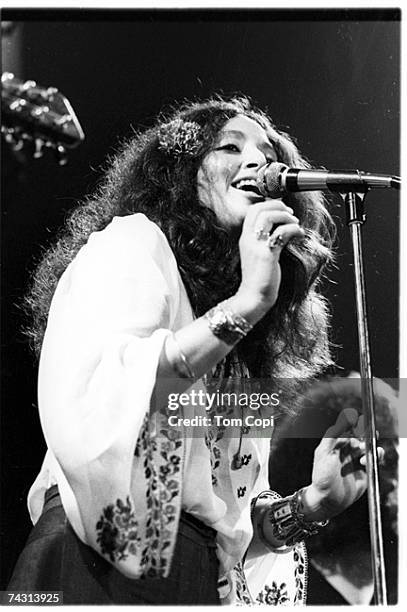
{"points": [[276, 178]]}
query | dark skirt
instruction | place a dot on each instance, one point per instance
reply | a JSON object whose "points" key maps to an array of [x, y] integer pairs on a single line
{"points": [[54, 559]]}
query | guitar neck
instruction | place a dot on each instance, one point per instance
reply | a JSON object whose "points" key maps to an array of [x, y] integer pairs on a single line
{"points": [[42, 115]]}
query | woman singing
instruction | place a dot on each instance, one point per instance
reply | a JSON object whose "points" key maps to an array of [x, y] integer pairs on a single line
{"points": [[178, 268]]}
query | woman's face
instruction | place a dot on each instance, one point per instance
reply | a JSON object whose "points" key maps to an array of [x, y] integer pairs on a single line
{"points": [[227, 176]]}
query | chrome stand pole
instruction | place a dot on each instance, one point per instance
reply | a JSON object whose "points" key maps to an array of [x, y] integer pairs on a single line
{"points": [[355, 219]]}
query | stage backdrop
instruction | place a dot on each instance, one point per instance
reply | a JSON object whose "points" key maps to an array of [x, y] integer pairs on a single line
{"points": [[331, 78]]}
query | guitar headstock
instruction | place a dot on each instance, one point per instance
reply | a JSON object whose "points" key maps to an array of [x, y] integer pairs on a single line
{"points": [[44, 116]]}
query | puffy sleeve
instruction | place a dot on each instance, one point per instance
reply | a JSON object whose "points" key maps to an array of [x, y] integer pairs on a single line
{"points": [[110, 315]]}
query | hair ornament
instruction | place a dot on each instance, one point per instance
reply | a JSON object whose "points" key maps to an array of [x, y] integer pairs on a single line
{"points": [[179, 137]]}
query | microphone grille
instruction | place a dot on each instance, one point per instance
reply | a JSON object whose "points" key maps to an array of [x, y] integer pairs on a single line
{"points": [[268, 179]]}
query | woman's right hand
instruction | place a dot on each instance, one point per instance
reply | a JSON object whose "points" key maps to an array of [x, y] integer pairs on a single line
{"points": [[260, 262], [258, 291]]}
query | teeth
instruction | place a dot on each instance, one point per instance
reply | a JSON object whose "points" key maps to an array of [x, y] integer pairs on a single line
{"points": [[246, 182], [248, 185]]}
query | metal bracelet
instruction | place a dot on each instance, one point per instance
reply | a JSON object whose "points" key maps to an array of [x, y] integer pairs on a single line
{"points": [[311, 526], [287, 524], [183, 368], [226, 324], [236, 319]]}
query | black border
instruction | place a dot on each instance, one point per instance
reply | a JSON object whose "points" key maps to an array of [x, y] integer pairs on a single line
{"points": [[199, 14]]}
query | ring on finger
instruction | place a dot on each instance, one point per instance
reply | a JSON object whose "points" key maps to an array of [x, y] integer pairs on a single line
{"points": [[262, 234], [276, 241]]}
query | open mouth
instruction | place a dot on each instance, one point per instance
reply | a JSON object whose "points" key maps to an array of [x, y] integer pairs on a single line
{"points": [[249, 186]]}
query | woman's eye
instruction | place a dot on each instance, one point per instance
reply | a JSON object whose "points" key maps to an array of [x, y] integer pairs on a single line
{"points": [[230, 147]]}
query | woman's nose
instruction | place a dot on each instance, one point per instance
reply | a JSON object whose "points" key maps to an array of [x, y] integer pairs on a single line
{"points": [[254, 158]]}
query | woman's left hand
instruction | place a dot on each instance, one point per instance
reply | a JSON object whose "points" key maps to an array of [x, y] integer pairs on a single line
{"points": [[339, 475]]}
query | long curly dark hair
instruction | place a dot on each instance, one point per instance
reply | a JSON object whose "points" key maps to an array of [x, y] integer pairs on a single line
{"points": [[291, 340]]}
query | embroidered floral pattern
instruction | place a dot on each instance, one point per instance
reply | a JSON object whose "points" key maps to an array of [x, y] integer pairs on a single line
{"points": [[242, 592], [210, 441], [152, 537], [161, 467], [117, 531], [276, 595], [298, 594], [241, 491], [300, 572], [246, 459], [217, 432]]}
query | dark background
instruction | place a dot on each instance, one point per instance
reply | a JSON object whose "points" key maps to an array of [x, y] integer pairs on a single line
{"points": [[330, 78]]}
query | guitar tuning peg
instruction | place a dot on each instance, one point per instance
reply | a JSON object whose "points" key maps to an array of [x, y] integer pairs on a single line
{"points": [[15, 140], [63, 121], [18, 104], [38, 145], [39, 111], [50, 93], [9, 134], [7, 76], [28, 85], [60, 153]]}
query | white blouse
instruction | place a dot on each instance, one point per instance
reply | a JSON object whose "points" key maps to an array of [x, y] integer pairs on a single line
{"points": [[116, 471]]}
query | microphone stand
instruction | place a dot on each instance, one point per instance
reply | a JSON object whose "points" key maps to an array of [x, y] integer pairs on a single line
{"points": [[355, 217]]}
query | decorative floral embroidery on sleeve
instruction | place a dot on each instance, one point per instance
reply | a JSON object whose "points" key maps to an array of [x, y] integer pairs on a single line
{"points": [[274, 595], [164, 486], [150, 538], [117, 531]]}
